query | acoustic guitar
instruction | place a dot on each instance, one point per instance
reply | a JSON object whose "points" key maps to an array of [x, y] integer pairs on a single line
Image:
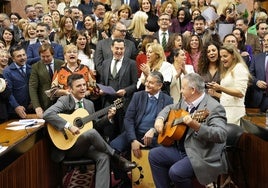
{"points": [[80, 118], [174, 128]]}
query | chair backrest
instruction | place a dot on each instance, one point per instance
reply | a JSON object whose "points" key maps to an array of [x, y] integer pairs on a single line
{"points": [[233, 134], [258, 131]]}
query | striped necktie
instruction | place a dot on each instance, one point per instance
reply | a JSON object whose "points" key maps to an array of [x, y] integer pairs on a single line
{"points": [[164, 40]]}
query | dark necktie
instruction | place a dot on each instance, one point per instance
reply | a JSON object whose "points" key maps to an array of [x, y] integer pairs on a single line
{"points": [[50, 71], [261, 42], [164, 40], [114, 70], [22, 71], [266, 72]]}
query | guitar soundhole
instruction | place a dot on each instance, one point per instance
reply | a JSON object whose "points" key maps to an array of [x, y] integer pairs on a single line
{"points": [[79, 123]]}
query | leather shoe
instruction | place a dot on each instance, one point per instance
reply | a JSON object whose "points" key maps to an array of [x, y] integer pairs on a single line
{"points": [[126, 165]]}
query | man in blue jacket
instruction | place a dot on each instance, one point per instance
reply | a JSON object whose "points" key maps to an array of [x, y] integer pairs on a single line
{"points": [[140, 116], [42, 31], [17, 75]]}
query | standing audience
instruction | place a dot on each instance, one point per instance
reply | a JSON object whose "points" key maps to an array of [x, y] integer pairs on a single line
{"points": [[235, 78]]}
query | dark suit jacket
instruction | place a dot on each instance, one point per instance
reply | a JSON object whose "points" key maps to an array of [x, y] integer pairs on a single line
{"points": [[66, 104], [19, 86], [127, 78], [257, 70], [205, 148], [136, 110], [103, 51], [4, 102], [39, 82], [156, 34], [33, 52]]}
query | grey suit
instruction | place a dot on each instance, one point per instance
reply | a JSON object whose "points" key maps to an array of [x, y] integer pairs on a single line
{"points": [[89, 144], [103, 51], [39, 82], [203, 149]]}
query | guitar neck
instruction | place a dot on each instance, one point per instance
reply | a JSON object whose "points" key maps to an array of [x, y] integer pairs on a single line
{"points": [[96, 114]]}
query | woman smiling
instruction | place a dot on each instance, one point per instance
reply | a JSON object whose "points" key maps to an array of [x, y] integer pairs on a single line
{"points": [[72, 66]]}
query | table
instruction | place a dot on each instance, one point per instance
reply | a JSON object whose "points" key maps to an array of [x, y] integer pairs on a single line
{"points": [[26, 162]]}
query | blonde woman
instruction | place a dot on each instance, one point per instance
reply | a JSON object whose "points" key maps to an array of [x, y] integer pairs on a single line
{"points": [[105, 27], [72, 65], [29, 35], [235, 77], [137, 27], [156, 61]]}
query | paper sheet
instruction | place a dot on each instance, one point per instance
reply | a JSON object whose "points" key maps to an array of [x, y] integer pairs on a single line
{"points": [[22, 127], [26, 122], [3, 148], [107, 89]]}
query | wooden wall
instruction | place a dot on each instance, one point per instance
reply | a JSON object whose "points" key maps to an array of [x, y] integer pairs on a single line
{"points": [[33, 169]]}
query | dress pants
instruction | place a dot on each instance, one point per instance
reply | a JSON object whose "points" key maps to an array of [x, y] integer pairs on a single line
{"points": [[90, 144], [170, 164]]}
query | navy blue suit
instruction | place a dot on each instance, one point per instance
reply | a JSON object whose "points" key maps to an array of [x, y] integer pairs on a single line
{"points": [[19, 86], [134, 116], [33, 52], [257, 70]]}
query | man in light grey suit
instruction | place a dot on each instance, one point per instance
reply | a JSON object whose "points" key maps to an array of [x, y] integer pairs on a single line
{"points": [[90, 143], [103, 49], [199, 153]]}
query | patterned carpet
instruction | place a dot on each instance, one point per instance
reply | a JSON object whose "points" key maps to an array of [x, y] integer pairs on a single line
{"points": [[79, 179]]}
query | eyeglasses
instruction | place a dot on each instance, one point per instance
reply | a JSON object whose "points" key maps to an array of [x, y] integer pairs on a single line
{"points": [[122, 30]]}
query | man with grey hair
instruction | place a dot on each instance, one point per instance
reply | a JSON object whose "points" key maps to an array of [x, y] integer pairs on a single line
{"points": [[31, 13], [190, 155]]}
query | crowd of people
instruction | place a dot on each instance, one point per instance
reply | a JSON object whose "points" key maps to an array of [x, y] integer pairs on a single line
{"points": [[158, 55]]}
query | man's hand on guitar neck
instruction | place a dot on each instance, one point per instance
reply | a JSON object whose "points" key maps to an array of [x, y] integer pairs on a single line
{"points": [[191, 123], [111, 113]]}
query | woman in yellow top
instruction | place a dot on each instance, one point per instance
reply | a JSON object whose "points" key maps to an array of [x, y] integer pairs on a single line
{"points": [[72, 66]]}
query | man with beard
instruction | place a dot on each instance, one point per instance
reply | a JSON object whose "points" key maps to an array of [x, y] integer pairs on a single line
{"points": [[17, 75], [206, 35]]}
